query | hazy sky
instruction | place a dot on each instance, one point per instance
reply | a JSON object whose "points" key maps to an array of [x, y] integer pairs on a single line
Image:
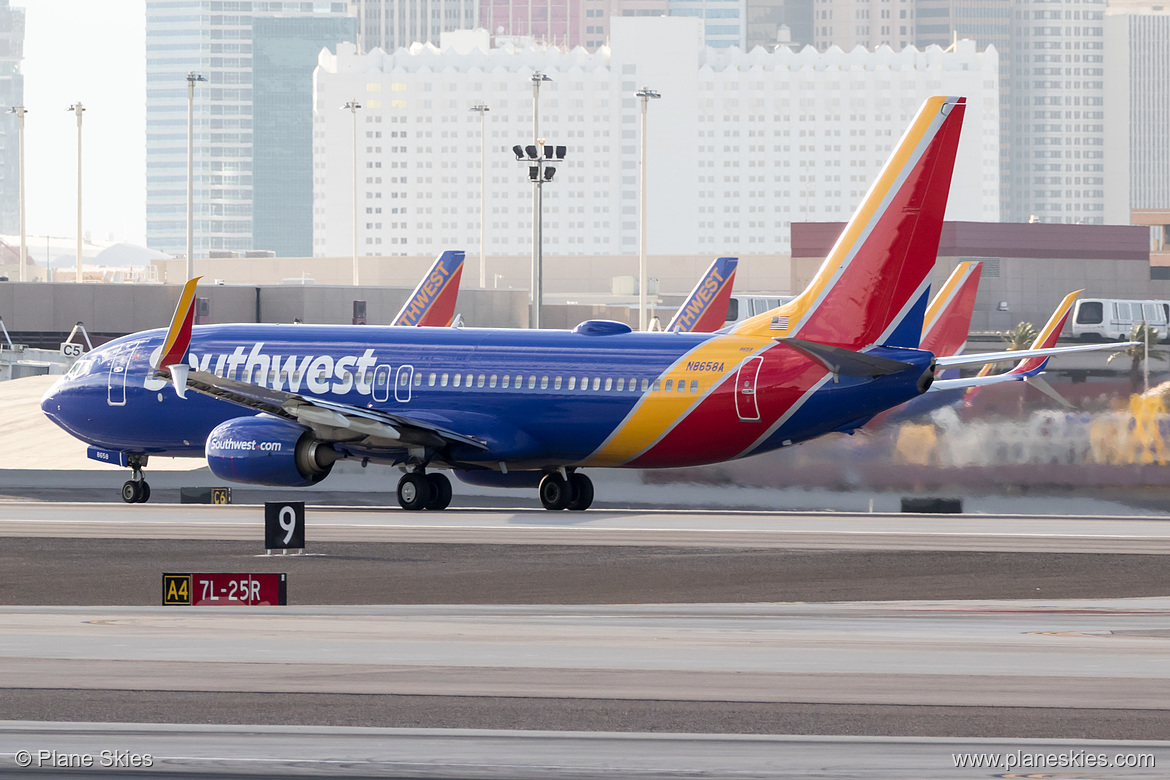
{"points": [[92, 51]]}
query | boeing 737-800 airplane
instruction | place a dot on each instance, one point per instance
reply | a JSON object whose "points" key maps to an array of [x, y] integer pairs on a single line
{"points": [[279, 405]]}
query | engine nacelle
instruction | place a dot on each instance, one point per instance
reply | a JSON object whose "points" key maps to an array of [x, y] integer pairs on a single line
{"points": [[268, 451]]}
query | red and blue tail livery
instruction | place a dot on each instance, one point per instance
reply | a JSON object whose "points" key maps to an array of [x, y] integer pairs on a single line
{"points": [[281, 404], [432, 304], [948, 317], [705, 309]]}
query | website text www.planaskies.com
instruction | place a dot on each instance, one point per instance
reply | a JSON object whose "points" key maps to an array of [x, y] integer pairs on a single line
{"points": [[1068, 759]]}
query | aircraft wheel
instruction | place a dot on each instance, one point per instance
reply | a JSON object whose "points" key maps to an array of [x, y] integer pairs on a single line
{"points": [[413, 491], [554, 492], [581, 488], [143, 492], [130, 492], [440, 496]]}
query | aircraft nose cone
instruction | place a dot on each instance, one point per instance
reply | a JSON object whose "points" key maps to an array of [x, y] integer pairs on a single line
{"points": [[51, 401]]}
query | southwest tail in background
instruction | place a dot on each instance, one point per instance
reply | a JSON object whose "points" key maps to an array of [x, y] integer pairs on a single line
{"points": [[948, 317], [705, 309], [873, 286], [432, 304]]}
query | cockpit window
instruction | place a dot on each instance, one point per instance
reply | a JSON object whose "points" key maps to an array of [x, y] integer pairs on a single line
{"points": [[79, 369]]}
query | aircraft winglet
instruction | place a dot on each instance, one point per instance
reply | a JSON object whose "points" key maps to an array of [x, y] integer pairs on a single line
{"points": [[171, 357]]}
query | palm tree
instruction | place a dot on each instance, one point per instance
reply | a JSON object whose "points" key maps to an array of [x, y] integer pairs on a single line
{"points": [[1143, 335], [1020, 337]]}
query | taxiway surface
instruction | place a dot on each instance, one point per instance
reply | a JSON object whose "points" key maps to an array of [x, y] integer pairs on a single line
{"points": [[787, 530]]}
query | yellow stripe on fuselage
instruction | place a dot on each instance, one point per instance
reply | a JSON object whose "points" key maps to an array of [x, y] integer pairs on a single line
{"points": [[658, 411], [798, 308], [946, 294]]}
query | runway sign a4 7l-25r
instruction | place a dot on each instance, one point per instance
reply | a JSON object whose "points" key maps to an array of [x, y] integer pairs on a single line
{"points": [[224, 590]]}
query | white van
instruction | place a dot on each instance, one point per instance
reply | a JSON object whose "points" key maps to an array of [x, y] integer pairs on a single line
{"points": [[1113, 319], [743, 306]]}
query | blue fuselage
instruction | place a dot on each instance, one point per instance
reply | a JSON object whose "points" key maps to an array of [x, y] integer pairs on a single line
{"points": [[537, 398]]}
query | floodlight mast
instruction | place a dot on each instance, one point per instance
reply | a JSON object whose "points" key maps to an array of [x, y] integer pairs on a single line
{"points": [[77, 109], [482, 109], [536, 287], [352, 106], [192, 77], [20, 111], [646, 94]]}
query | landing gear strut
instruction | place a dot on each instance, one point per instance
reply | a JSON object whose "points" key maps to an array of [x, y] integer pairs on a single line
{"points": [[136, 490], [574, 493], [418, 490]]}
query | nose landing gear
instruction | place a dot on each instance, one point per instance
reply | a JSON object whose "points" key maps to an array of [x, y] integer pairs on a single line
{"points": [[418, 490], [136, 490]]}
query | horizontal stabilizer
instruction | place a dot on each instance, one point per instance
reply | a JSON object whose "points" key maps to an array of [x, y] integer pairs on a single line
{"points": [[940, 385], [846, 362], [1041, 384]]}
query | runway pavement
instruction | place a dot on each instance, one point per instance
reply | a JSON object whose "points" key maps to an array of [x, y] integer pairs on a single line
{"points": [[957, 668], [262, 752], [526, 619]]}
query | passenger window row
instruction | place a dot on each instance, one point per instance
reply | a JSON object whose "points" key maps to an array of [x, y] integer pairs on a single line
{"points": [[502, 381]]}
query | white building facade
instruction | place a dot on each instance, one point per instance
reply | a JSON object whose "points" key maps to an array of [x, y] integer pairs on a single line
{"points": [[739, 146], [213, 38], [1137, 108], [1058, 114]]}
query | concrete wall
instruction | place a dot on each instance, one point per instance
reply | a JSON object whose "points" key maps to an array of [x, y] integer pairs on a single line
{"points": [[38, 313], [563, 275]]}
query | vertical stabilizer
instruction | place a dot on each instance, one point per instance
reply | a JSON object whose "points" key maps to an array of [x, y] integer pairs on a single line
{"points": [[872, 287]]}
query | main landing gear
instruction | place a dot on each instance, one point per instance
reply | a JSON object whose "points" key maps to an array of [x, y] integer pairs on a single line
{"points": [[419, 490], [574, 493], [136, 490]]}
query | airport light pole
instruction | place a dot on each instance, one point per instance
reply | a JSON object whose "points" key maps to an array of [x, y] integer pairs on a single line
{"points": [[353, 107], [542, 162], [77, 108], [536, 286], [646, 94], [192, 77], [482, 109], [20, 111]]}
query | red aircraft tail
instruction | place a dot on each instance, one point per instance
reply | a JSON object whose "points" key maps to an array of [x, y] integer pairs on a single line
{"points": [[873, 286]]}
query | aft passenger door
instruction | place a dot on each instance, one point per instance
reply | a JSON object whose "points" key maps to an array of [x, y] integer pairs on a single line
{"points": [[119, 367], [745, 389]]}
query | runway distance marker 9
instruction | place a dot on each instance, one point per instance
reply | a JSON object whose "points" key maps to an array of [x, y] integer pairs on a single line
{"points": [[225, 589], [284, 525]]}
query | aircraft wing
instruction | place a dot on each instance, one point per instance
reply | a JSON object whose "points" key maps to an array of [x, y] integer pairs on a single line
{"points": [[981, 358], [330, 420]]}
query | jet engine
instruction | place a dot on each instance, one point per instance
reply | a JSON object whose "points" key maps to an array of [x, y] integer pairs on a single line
{"points": [[268, 451]]}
